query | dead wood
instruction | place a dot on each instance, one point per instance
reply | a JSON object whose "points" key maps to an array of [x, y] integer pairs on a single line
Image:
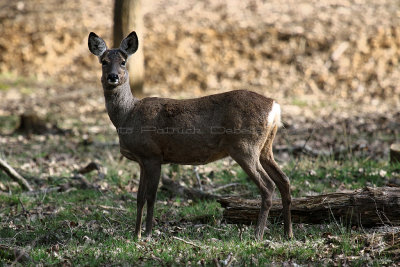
{"points": [[223, 187], [44, 190], [92, 166], [13, 174], [366, 207], [177, 189], [89, 168], [187, 242], [395, 153]]}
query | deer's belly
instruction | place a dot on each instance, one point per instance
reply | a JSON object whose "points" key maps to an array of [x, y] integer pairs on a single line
{"points": [[179, 149], [193, 159], [193, 152]]}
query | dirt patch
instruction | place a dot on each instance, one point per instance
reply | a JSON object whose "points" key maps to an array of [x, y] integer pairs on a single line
{"points": [[331, 47]]}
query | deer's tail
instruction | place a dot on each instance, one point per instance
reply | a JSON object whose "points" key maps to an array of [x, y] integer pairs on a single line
{"points": [[274, 116]]}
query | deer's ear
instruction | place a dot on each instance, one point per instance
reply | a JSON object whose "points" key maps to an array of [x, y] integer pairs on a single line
{"points": [[130, 44], [96, 45]]}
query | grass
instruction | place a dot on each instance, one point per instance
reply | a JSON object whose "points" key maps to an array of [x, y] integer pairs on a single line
{"points": [[95, 227], [326, 175]]}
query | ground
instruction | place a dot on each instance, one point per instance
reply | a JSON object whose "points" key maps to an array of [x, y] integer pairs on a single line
{"points": [[332, 65]]}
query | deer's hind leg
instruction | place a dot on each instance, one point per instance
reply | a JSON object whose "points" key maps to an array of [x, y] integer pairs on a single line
{"points": [[279, 178], [248, 159]]}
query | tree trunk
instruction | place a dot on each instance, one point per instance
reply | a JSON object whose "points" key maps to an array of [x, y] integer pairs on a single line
{"points": [[128, 17], [366, 207]]}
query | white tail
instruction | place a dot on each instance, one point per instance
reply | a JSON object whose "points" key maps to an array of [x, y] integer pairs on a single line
{"points": [[274, 117]]}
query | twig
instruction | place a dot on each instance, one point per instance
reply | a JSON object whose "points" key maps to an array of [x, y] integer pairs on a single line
{"points": [[228, 261], [196, 172], [240, 232], [45, 191], [13, 174], [111, 208], [22, 205], [187, 242], [222, 187]]}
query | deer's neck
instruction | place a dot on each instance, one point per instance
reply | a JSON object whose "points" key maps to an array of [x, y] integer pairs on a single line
{"points": [[119, 102]]}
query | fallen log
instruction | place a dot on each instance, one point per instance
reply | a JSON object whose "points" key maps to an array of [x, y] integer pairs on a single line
{"points": [[364, 207]]}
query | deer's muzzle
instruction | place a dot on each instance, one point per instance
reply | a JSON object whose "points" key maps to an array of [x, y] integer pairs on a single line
{"points": [[112, 79]]}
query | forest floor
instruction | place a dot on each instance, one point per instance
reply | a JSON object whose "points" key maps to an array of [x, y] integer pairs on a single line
{"points": [[90, 220]]}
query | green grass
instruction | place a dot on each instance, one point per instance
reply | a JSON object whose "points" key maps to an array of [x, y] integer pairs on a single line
{"points": [[94, 238], [95, 227], [326, 175]]}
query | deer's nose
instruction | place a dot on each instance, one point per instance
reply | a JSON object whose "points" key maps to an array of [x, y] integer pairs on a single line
{"points": [[112, 78]]}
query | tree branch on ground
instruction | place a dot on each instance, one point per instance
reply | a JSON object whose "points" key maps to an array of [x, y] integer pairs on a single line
{"points": [[13, 174]]}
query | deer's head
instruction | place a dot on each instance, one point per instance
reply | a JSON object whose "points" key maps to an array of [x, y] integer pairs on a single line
{"points": [[113, 61]]}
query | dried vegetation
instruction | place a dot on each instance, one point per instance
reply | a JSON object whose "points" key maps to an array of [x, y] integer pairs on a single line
{"points": [[332, 47]]}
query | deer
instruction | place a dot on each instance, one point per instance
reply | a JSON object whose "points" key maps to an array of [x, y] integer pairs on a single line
{"points": [[153, 131]]}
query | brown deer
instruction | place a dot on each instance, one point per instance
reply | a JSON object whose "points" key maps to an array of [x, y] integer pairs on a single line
{"points": [[154, 131]]}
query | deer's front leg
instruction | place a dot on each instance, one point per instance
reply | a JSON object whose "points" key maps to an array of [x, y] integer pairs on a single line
{"points": [[141, 199], [152, 174], [150, 177], [148, 185]]}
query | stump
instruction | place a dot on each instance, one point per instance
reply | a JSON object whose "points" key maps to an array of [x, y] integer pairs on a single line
{"points": [[30, 123], [395, 153]]}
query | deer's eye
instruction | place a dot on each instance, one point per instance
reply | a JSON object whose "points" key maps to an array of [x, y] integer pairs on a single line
{"points": [[104, 63], [123, 63]]}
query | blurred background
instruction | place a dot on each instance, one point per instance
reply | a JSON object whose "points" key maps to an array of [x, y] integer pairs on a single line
{"points": [[332, 64], [346, 49]]}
